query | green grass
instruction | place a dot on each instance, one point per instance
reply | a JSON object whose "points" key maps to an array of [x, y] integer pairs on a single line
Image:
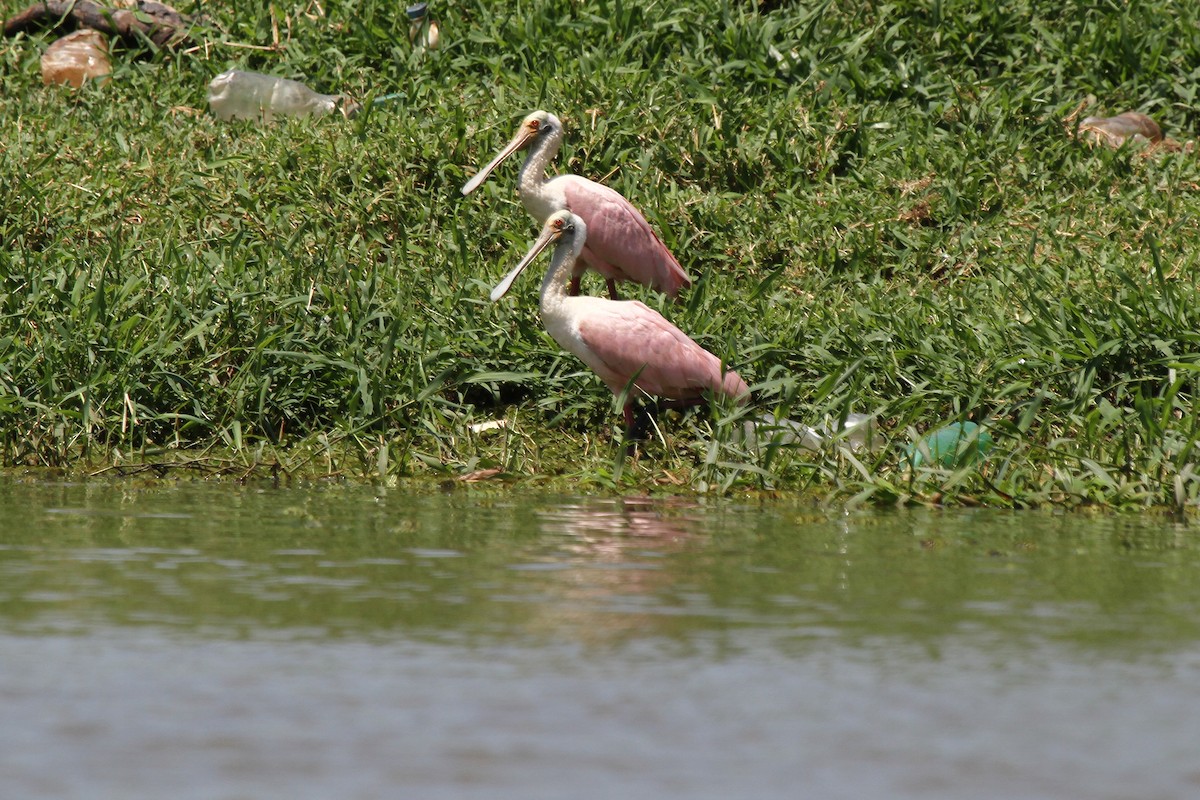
{"points": [[882, 203]]}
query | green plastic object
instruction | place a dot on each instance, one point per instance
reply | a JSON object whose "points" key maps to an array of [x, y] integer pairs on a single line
{"points": [[958, 444]]}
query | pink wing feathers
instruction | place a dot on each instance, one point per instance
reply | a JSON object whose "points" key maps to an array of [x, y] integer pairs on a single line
{"points": [[630, 338], [620, 243]]}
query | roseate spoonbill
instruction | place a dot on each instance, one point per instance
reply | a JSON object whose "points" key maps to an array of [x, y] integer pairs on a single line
{"points": [[621, 244], [623, 341]]}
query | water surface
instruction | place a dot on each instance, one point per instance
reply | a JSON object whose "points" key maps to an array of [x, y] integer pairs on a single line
{"points": [[201, 641]]}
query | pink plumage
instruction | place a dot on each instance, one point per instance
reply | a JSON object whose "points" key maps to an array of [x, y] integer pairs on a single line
{"points": [[621, 245], [633, 341]]}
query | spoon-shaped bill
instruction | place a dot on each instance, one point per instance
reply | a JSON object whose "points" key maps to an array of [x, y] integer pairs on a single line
{"points": [[516, 144], [549, 236]]}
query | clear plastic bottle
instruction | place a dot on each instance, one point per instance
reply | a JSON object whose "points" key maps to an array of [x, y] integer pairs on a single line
{"points": [[237, 94], [858, 432], [422, 31]]}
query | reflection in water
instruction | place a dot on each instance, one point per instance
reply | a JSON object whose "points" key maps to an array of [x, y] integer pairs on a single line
{"points": [[620, 519], [605, 582]]}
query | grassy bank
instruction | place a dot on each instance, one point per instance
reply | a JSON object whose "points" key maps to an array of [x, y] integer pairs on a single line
{"points": [[882, 203]]}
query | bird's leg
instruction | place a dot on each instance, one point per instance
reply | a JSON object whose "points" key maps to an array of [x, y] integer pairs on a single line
{"points": [[629, 419], [612, 289], [637, 422]]}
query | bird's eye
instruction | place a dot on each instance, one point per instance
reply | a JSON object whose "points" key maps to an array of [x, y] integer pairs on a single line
{"points": [[533, 125], [558, 224]]}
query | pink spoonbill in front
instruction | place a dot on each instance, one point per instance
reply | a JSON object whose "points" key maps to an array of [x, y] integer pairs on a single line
{"points": [[623, 341]]}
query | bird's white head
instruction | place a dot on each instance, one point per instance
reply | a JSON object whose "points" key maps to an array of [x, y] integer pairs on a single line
{"points": [[564, 230], [540, 129]]}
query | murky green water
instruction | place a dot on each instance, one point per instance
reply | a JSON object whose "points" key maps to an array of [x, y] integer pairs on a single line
{"points": [[218, 642]]}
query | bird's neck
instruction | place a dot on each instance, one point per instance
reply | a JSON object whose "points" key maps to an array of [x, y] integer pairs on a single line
{"points": [[554, 285], [532, 179]]}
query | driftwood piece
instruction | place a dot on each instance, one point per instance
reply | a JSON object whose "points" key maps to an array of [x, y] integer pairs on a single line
{"points": [[131, 20]]}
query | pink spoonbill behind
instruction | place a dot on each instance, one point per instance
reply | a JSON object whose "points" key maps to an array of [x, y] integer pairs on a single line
{"points": [[621, 245], [623, 341]]}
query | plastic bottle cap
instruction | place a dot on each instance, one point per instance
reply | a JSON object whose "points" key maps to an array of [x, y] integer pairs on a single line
{"points": [[415, 12]]}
